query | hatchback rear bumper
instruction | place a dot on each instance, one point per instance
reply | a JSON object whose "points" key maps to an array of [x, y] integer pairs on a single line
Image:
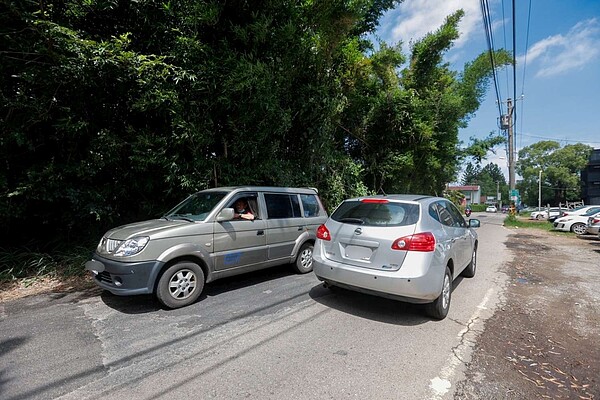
{"points": [[391, 284]]}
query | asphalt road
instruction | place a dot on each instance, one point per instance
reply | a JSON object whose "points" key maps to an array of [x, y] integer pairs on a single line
{"points": [[268, 335]]}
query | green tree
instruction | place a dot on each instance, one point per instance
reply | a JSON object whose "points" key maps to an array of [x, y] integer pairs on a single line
{"points": [[561, 171], [112, 111]]}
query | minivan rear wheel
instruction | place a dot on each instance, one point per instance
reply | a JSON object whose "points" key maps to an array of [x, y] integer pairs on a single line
{"points": [[180, 285], [439, 308], [304, 259]]}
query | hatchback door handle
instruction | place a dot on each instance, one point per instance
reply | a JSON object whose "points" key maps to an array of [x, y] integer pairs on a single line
{"points": [[260, 233]]}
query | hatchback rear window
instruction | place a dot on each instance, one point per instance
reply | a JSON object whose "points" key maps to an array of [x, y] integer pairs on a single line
{"points": [[377, 214]]}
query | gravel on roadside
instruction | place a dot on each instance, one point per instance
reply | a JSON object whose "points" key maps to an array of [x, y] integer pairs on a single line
{"points": [[544, 340]]}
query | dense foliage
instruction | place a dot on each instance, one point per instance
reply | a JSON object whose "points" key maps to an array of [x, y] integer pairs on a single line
{"points": [[561, 171], [112, 111]]}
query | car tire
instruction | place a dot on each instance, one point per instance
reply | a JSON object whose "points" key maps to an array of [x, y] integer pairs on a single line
{"points": [[304, 261], [180, 285], [469, 272], [579, 228], [539, 216], [438, 309]]}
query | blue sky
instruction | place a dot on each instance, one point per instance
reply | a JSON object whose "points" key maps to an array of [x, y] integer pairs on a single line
{"points": [[558, 67]]}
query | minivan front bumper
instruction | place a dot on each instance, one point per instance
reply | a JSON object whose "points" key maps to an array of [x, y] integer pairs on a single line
{"points": [[123, 278]]}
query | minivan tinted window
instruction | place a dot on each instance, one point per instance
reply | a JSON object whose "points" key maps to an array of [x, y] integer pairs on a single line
{"points": [[377, 214], [310, 204], [282, 205]]}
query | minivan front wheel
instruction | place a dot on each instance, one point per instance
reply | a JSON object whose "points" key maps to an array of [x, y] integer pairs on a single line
{"points": [[180, 285], [304, 259], [439, 308]]}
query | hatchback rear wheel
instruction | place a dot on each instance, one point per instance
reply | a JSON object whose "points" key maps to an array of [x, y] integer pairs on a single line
{"points": [[439, 308]]}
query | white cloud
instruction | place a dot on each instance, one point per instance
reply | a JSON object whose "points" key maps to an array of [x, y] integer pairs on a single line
{"points": [[413, 19], [561, 53]]}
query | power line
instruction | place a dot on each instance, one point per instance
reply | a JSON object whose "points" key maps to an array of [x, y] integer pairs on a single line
{"points": [[525, 69], [504, 31], [559, 140], [485, 11]]}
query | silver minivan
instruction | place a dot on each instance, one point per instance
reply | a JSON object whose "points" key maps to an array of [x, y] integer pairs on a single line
{"points": [[203, 239]]}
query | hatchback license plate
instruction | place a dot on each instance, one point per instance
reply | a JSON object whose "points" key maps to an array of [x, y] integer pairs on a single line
{"points": [[358, 253]]}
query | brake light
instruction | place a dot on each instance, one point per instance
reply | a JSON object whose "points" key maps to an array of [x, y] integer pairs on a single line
{"points": [[376, 201], [596, 220], [323, 233], [419, 242]]}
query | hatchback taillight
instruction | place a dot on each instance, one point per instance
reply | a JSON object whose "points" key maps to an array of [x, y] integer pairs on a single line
{"points": [[323, 233], [418, 242], [595, 220]]}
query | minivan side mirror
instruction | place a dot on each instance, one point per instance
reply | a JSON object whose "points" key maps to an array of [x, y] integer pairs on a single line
{"points": [[225, 214], [474, 223]]}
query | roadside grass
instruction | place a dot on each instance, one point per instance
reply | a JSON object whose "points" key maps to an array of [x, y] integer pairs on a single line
{"points": [[523, 222], [27, 267]]}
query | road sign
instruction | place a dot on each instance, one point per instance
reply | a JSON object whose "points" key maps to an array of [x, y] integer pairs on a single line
{"points": [[514, 192]]}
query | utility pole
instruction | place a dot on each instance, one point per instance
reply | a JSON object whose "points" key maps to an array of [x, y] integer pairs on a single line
{"points": [[511, 146], [540, 191]]}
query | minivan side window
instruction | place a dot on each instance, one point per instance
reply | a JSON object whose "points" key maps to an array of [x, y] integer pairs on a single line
{"points": [[310, 204], [282, 206], [251, 198]]}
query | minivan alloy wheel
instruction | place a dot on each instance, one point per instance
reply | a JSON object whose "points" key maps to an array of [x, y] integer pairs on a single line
{"points": [[180, 285], [304, 261]]}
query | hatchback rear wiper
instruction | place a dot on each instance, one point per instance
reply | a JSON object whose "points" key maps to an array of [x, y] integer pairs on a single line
{"points": [[353, 221]]}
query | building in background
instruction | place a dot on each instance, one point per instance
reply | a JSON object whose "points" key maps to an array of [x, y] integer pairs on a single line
{"points": [[590, 177], [472, 193]]}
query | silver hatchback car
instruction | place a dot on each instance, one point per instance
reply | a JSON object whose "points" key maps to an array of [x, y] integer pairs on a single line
{"points": [[404, 247]]}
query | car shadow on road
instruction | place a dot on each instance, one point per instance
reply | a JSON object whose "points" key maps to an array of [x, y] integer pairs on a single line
{"points": [[141, 304], [370, 307]]}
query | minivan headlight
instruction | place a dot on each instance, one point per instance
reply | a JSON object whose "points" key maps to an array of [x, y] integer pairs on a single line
{"points": [[131, 246]]}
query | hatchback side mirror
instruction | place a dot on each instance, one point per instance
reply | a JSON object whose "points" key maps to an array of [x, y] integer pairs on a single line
{"points": [[474, 223], [225, 214]]}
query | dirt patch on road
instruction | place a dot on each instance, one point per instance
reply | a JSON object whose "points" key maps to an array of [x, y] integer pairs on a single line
{"points": [[544, 341]]}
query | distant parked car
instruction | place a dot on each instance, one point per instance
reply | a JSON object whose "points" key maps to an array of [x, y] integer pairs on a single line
{"points": [[543, 214], [492, 209], [593, 225], [576, 211], [582, 210], [505, 209], [406, 247], [574, 223]]}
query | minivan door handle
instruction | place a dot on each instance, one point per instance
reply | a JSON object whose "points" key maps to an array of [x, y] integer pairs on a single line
{"points": [[300, 228], [260, 233]]}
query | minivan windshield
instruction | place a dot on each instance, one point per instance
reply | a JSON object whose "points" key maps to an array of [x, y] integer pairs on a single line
{"points": [[377, 214], [196, 207]]}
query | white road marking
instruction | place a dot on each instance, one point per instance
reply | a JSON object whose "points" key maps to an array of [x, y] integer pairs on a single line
{"points": [[440, 385]]}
